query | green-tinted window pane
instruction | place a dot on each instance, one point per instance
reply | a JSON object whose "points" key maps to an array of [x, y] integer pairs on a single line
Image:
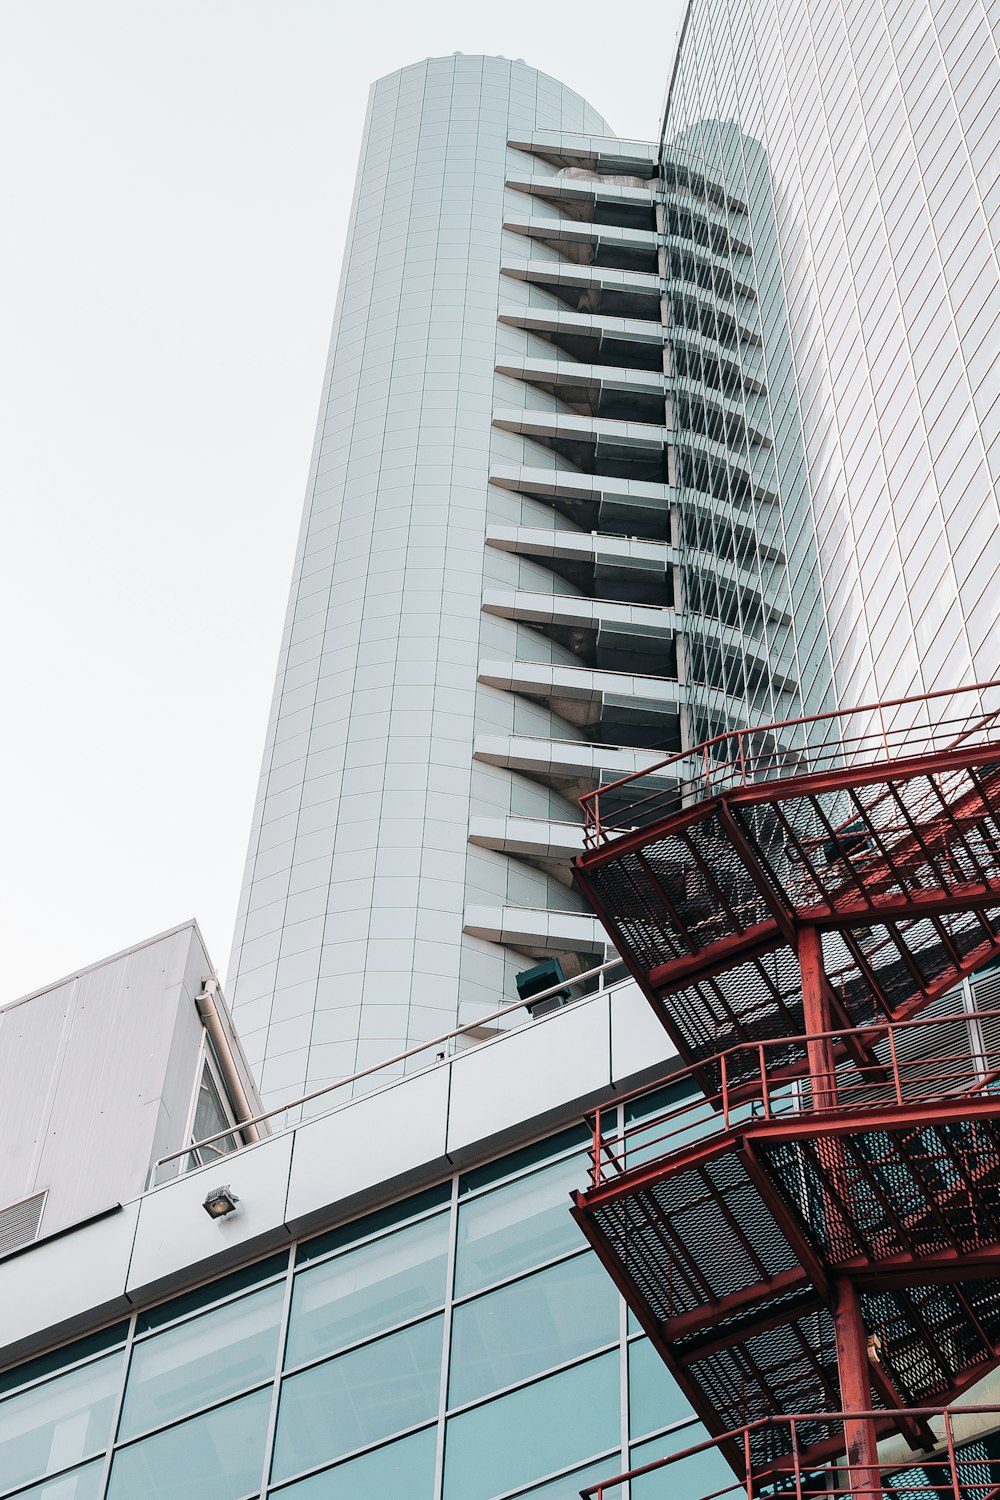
{"points": [[570, 1485], [82, 1484], [196, 1363], [528, 1156], [217, 1456], [358, 1398], [57, 1359], [400, 1471], [649, 1134], [383, 1218], [655, 1399], [537, 1430], [542, 1321], [211, 1293], [703, 1474], [51, 1426], [373, 1287], [517, 1226]]}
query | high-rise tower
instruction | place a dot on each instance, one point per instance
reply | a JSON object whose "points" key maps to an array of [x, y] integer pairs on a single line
{"points": [[557, 525]]}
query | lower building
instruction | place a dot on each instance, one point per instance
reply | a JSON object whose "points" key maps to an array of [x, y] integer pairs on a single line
{"points": [[106, 1070], [399, 1304], [394, 1302]]}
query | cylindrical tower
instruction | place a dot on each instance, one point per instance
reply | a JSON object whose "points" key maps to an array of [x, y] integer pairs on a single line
{"points": [[354, 936]]}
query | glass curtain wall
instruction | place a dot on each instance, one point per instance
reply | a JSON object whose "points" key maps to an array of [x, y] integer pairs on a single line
{"points": [[864, 141], [396, 1357]]}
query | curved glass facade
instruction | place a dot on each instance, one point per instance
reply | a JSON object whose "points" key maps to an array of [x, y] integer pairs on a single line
{"points": [[352, 936], [880, 129]]}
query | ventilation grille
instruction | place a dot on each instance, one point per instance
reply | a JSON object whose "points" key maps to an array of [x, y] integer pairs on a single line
{"points": [[19, 1223]]}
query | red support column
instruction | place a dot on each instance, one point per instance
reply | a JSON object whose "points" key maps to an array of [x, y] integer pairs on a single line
{"points": [[856, 1393], [816, 1015], [849, 1329]]}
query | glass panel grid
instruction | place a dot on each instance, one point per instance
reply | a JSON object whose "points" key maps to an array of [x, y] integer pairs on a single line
{"points": [[541, 1335]]}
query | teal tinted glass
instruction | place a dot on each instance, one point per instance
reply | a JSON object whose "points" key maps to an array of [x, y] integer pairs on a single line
{"points": [[367, 1289], [82, 1484], [570, 1485], [358, 1398], [654, 1399], [403, 1470], [539, 1429], [531, 1325], [211, 1293], [58, 1359], [51, 1426], [518, 1226], [384, 1218], [194, 1363], [665, 1121], [704, 1473], [217, 1456], [519, 1161]]}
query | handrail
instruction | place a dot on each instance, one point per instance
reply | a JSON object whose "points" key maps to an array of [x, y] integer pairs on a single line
{"points": [[832, 1477], [889, 740], [747, 1094], [386, 1062]]}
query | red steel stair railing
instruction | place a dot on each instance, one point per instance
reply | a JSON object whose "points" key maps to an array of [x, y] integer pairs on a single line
{"points": [[962, 1462], [732, 1224], [886, 840], [912, 1069], [875, 733], [826, 1232]]}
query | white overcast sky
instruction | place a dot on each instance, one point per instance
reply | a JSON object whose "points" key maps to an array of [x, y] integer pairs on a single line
{"points": [[175, 178]]}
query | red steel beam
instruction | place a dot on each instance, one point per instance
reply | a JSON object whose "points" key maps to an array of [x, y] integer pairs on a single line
{"points": [[917, 1115], [715, 1340], [810, 783], [724, 954]]}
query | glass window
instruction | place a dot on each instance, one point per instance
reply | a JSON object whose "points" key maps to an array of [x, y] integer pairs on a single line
{"points": [[517, 1226], [58, 1359], [82, 1484], [211, 1293], [570, 1485], [655, 1400], [209, 1117], [372, 1287], [512, 1165], [55, 1424], [704, 1473], [383, 1218], [195, 1363], [526, 1327], [358, 1398], [217, 1456], [536, 1430], [403, 1470]]}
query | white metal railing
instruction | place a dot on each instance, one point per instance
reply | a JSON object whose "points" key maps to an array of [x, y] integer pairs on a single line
{"points": [[470, 1027]]}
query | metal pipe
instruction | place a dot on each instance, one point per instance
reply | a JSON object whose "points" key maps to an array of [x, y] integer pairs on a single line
{"points": [[212, 1022]]}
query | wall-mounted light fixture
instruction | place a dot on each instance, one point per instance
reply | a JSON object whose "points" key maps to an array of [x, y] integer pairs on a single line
{"points": [[220, 1202]]}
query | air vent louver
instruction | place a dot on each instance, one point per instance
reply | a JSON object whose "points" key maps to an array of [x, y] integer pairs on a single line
{"points": [[19, 1222]]}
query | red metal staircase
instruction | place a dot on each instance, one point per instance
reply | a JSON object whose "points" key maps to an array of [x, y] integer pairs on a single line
{"points": [[816, 1226]]}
